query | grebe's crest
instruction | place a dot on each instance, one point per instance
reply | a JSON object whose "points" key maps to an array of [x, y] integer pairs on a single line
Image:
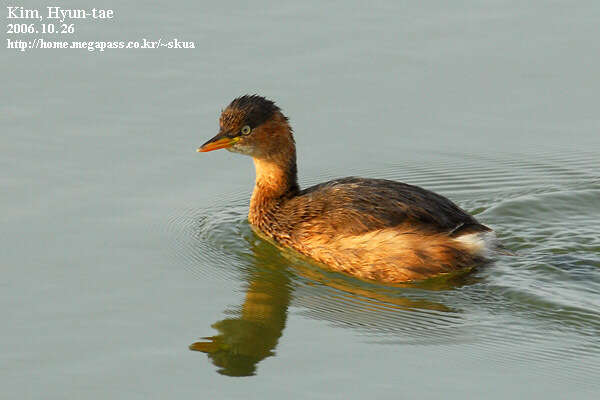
{"points": [[251, 110]]}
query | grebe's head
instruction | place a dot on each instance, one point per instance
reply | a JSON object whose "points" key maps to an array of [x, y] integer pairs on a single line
{"points": [[254, 126]]}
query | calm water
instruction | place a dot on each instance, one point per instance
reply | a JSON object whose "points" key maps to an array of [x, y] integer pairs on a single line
{"points": [[122, 247]]}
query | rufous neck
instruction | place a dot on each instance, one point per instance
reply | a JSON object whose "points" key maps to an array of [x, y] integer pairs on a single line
{"points": [[275, 178]]}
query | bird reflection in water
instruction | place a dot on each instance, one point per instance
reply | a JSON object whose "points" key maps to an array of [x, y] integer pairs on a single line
{"points": [[253, 333], [245, 340]]}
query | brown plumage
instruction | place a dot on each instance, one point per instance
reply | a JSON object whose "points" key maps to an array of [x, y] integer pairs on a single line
{"points": [[370, 228]]}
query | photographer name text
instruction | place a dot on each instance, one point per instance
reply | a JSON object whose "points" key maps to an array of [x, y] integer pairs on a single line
{"points": [[58, 13]]}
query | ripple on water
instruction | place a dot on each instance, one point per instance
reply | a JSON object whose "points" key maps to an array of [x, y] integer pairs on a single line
{"points": [[208, 240], [541, 306]]}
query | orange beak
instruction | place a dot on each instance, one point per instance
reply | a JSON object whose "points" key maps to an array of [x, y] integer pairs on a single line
{"points": [[218, 142]]}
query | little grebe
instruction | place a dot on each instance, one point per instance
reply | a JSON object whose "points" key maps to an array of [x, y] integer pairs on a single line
{"points": [[372, 229]]}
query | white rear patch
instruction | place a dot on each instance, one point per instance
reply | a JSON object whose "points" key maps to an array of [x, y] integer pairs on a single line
{"points": [[481, 243]]}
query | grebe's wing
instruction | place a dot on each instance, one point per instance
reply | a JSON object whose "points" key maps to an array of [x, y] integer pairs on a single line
{"points": [[353, 206]]}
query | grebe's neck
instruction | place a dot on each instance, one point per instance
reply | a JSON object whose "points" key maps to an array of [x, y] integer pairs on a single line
{"points": [[276, 180]]}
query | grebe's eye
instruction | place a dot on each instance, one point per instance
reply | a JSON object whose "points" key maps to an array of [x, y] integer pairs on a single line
{"points": [[246, 130]]}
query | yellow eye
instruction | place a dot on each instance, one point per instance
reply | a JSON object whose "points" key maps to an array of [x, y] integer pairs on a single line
{"points": [[246, 130]]}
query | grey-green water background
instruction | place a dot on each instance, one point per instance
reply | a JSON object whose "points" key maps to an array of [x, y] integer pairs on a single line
{"points": [[121, 246]]}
